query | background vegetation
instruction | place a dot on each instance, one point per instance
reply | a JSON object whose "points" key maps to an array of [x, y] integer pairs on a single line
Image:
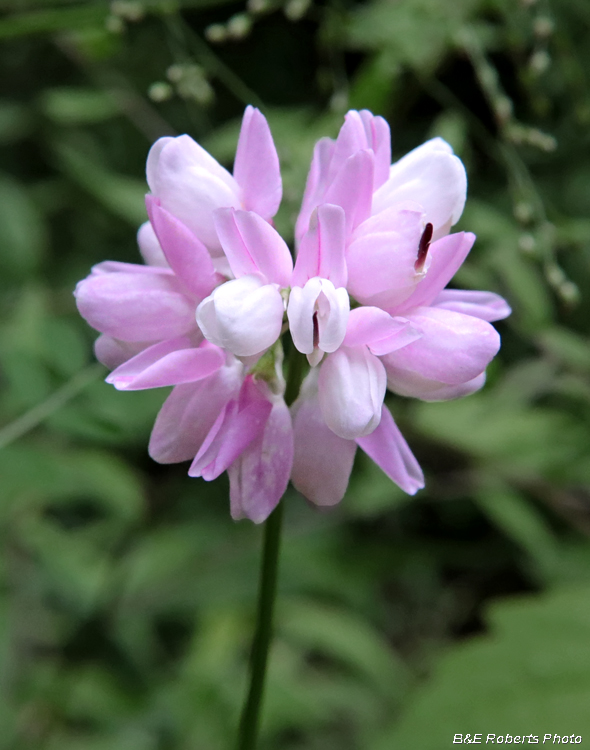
{"points": [[126, 592]]}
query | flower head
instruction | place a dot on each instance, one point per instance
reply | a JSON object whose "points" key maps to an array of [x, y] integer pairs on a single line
{"points": [[365, 301]]}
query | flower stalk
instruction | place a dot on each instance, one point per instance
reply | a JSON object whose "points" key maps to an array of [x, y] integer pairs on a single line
{"points": [[250, 718]]}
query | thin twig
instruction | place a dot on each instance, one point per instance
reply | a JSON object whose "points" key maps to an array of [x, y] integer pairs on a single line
{"points": [[53, 403]]}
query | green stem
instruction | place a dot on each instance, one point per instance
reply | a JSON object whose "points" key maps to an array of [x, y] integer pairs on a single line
{"points": [[250, 720], [297, 368]]}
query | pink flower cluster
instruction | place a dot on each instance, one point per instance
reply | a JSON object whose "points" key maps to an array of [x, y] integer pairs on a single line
{"points": [[365, 301]]}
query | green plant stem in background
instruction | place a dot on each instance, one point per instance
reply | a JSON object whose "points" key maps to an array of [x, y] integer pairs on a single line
{"points": [[53, 403], [250, 719]]}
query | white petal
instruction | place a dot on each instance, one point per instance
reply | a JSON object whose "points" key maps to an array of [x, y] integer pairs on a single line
{"points": [[190, 184], [432, 176], [149, 247], [331, 308], [352, 385], [243, 316], [333, 311], [300, 313]]}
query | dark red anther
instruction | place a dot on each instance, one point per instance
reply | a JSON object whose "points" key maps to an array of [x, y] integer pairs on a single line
{"points": [[316, 331], [423, 246]]}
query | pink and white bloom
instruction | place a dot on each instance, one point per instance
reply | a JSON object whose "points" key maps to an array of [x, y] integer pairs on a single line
{"points": [[354, 172], [252, 438], [190, 184], [410, 334], [146, 315], [245, 315], [354, 165], [323, 460], [319, 305], [366, 302]]}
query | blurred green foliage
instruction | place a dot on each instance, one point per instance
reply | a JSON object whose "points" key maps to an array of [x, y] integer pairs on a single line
{"points": [[126, 593]]}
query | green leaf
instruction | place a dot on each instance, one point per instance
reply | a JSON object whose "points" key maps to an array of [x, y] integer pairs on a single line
{"points": [[567, 347], [527, 289], [53, 20], [415, 34], [521, 522], [71, 567], [123, 196], [518, 441], [22, 230], [93, 694], [371, 491], [531, 673], [26, 382], [15, 122], [107, 416], [35, 477], [374, 83], [345, 637], [62, 345], [78, 106]]}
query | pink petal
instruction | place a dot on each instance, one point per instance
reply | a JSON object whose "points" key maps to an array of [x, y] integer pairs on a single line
{"points": [[146, 357], [115, 266], [485, 305], [351, 138], [112, 352], [450, 392], [244, 316], [446, 257], [381, 258], [322, 461], [149, 247], [433, 177], [321, 252], [378, 330], [352, 188], [243, 422], [190, 184], [186, 255], [253, 246], [379, 138], [170, 362], [259, 477], [362, 131], [144, 305], [454, 348], [256, 168], [317, 183], [352, 384], [410, 384], [388, 449], [189, 413]]}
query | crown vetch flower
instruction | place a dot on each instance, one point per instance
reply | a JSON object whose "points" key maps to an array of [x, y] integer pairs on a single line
{"points": [[366, 302], [217, 414], [410, 333]]}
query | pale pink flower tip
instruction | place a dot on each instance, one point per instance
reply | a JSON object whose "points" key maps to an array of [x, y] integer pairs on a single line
{"points": [[365, 301]]}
